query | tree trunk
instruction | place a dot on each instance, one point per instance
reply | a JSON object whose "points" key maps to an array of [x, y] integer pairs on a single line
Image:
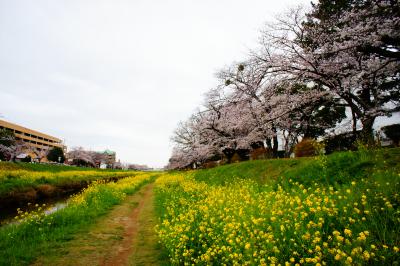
{"points": [[274, 143], [269, 145], [275, 146], [353, 115], [367, 133], [228, 154]]}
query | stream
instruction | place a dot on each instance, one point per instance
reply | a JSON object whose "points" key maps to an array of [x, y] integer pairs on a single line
{"points": [[48, 206], [30, 200]]}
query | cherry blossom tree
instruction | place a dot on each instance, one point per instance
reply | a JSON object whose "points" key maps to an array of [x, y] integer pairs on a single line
{"points": [[311, 67], [81, 157], [279, 103], [17, 148], [194, 142], [7, 141], [353, 55]]}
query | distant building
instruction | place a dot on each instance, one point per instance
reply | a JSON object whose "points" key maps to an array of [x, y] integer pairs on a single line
{"points": [[35, 140], [109, 158]]}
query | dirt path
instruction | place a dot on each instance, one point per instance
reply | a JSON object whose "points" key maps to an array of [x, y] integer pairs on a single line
{"points": [[123, 237], [130, 223], [146, 249]]}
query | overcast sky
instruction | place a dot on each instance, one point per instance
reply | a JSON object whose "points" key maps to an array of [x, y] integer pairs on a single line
{"points": [[119, 75]]}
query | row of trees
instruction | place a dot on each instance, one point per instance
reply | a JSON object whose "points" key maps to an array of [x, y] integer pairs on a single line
{"points": [[81, 157], [313, 70]]}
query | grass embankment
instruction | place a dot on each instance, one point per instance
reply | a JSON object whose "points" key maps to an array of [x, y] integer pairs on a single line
{"points": [[338, 168], [38, 234], [45, 167], [28, 181], [337, 209]]}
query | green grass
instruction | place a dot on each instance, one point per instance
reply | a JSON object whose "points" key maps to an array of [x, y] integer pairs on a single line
{"points": [[45, 167], [338, 168], [21, 244], [337, 209]]}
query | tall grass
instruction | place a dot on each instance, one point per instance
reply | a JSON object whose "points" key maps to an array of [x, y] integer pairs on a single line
{"points": [[38, 234]]}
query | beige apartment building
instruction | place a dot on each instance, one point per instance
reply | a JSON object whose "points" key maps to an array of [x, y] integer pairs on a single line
{"points": [[32, 138]]}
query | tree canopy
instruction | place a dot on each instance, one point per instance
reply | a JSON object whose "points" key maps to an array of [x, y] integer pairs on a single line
{"points": [[56, 154]]}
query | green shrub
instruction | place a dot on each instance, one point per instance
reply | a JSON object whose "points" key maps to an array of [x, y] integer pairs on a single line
{"points": [[56, 154], [393, 133]]}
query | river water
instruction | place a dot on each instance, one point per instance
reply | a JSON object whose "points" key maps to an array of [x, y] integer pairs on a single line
{"points": [[52, 203], [47, 206]]}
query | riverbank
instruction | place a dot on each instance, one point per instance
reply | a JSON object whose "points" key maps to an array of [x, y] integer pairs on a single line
{"points": [[22, 243], [23, 184]]}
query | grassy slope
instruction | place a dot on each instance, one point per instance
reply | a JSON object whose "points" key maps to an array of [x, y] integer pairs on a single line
{"points": [[337, 169], [375, 173], [24, 177], [46, 167]]}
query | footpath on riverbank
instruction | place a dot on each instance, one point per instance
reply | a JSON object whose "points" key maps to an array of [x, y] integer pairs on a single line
{"points": [[125, 236]]}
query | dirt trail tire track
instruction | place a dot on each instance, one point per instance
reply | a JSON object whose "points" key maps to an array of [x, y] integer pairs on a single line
{"points": [[116, 239], [131, 224]]}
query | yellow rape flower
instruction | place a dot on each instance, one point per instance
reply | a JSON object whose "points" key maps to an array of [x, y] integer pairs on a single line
{"points": [[347, 232]]}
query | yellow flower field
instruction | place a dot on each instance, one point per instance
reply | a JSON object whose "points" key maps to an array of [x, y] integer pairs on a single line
{"points": [[22, 179], [245, 223], [34, 176]]}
